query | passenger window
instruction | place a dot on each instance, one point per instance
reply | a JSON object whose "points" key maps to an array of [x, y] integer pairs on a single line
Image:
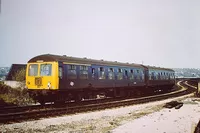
{"points": [[138, 74], [155, 76], [93, 73], [150, 75], [101, 73], [173, 76], [72, 67], [111, 73], [158, 76], [142, 73], [167, 77], [72, 72], [83, 72], [120, 74], [131, 75], [126, 74]]}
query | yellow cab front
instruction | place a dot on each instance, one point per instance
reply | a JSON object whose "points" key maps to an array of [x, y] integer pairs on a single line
{"points": [[42, 76]]}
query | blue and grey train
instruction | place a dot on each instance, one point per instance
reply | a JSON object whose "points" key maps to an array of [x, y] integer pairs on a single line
{"points": [[62, 78]]}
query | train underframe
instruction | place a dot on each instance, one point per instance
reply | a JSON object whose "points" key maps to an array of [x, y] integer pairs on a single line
{"points": [[64, 95]]}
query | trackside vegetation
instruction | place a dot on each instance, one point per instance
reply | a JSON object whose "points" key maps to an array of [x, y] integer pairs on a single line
{"points": [[15, 96]]}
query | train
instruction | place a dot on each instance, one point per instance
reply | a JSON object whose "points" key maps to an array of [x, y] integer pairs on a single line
{"points": [[58, 78]]}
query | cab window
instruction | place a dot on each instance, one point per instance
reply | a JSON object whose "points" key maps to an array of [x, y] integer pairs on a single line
{"points": [[33, 70], [45, 69]]}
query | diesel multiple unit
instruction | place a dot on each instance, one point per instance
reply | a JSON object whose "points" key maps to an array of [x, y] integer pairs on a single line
{"points": [[62, 78]]}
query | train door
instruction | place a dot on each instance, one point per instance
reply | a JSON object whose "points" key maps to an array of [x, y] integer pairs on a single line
{"points": [[93, 79], [61, 76]]}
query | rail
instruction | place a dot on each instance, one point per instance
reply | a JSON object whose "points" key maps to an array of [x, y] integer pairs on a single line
{"points": [[36, 112]]}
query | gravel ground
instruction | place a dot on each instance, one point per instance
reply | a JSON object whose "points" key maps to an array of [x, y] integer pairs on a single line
{"points": [[173, 120], [137, 118]]}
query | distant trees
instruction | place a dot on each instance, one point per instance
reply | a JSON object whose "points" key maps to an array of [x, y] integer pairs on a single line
{"points": [[187, 72]]}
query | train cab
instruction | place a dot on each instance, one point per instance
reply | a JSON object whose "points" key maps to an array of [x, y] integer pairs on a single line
{"points": [[42, 75]]}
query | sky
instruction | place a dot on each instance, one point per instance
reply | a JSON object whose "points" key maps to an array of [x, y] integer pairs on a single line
{"points": [[163, 33]]}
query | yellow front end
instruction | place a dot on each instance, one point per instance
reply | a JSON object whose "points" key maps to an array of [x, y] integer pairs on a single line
{"points": [[42, 76]]}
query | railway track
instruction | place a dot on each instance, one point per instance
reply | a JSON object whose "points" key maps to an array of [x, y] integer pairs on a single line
{"points": [[15, 114]]}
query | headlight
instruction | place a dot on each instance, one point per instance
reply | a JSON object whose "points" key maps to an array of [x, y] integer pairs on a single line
{"points": [[49, 85]]}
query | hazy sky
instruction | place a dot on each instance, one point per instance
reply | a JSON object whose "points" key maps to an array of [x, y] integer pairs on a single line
{"points": [[163, 33]]}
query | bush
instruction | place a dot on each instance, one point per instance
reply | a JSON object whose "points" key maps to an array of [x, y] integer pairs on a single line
{"points": [[20, 75], [17, 96]]}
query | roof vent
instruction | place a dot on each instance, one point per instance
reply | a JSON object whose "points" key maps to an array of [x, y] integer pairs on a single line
{"points": [[84, 58], [65, 55], [115, 61], [101, 59]]}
